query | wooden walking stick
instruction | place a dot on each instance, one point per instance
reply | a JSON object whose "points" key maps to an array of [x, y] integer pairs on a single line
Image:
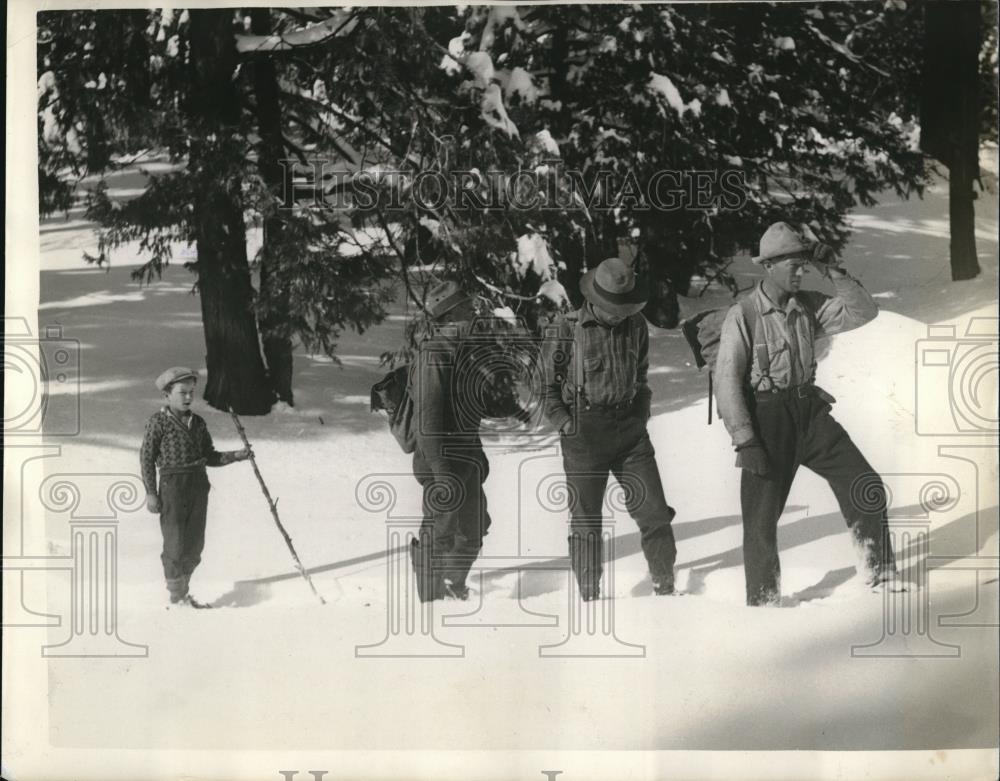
{"points": [[274, 507]]}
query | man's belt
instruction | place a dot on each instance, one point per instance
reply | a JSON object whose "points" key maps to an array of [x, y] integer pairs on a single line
{"points": [[795, 391], [621, 405]]}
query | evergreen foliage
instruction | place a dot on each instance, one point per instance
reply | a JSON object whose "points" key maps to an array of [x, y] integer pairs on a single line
{"points": [[809, 107]]}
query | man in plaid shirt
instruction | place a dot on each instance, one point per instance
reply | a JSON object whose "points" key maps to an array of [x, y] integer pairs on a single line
{"points": [[598, 398], [177, 443]]}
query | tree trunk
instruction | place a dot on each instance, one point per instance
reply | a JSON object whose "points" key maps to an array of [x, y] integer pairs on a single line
{"points": [[274, 324], [949, 116], [962, 215], [236, 374]]}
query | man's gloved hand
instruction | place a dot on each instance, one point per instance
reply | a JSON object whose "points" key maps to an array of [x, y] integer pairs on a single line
{"points": [[824, 259], [244, 454], [153, 504], [752, 457]]}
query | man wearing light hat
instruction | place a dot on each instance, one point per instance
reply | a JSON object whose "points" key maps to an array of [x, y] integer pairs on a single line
{"points": [[598, 398], [177, 443], [448, 462], [779, 419]]}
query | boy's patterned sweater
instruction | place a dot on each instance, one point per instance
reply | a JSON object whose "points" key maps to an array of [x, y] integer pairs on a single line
{"points": [[177, 443]]}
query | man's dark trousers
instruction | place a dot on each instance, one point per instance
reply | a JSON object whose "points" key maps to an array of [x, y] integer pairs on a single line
{"points": [[451, 535], [614, 441], [184, 508], [796, 428]]}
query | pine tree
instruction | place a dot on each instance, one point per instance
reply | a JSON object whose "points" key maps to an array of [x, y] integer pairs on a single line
{"points": [[574, 110]]}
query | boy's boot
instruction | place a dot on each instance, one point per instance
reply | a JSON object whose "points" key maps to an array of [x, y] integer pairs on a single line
{"points": [[178, 588]]}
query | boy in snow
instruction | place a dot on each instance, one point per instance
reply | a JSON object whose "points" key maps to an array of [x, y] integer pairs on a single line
{"points": [[595, 374], [779, 419], [178, 443]]}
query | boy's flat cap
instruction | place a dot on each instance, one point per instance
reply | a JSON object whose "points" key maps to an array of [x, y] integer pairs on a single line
{"points": [[175, 374]]}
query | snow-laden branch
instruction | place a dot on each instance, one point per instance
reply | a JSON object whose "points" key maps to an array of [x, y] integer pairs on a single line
{"points": [[501, 292], [843, 50], [321, 108], [313, 35]]}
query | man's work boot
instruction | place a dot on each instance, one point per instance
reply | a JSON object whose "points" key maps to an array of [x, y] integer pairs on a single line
{"points": [[429, 585], [590, 591], [459, 591], [663, 585], [585, 558]]}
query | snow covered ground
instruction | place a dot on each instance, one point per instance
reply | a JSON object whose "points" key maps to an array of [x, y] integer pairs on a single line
{"points": [[835, 668]]}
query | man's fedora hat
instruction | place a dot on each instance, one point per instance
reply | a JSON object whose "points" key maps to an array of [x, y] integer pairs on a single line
{"points": [[444, 297], [613, 287], [782, 240]]}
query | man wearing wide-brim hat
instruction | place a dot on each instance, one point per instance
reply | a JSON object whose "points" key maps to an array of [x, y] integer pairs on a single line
{"points": [[598, 398], [779, 419], [448, 462]]}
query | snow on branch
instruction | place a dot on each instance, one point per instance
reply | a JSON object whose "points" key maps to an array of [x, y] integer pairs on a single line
{"points": [[494, 114], [843, 50], [312, 35]]}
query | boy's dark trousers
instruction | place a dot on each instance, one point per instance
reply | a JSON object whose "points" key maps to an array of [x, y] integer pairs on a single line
{"points": [[451, 535], [183, 509], [609, 440], [796, 428]]}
